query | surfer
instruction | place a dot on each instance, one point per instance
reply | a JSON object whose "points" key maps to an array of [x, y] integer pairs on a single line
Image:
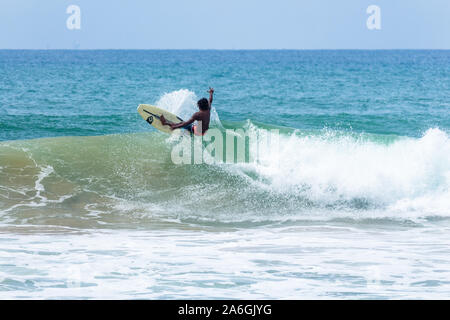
{"points": [[202, 117]]}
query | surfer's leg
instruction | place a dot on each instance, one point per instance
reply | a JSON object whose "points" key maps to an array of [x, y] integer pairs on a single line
{"points": [[196, 131]]}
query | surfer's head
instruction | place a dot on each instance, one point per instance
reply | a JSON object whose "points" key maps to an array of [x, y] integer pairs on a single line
{"points": [[203, 104]]}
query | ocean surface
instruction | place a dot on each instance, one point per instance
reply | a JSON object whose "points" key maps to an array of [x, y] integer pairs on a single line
{"points": [[354, 204]]}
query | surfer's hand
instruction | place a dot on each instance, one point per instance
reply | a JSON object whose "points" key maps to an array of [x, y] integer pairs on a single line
{"points": [[163, 120], [211, 90]]}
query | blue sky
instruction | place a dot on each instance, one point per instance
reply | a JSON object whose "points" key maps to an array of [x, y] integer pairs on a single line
{"points": [[230, 24]]}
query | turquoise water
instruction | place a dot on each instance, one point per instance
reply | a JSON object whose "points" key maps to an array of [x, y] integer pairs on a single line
{"points": [[354, 204], [385, 92]]}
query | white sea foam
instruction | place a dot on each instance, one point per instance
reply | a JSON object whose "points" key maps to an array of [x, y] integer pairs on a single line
{"points": [[256, 263], [183, 103], [38, 199], [405, 175]]}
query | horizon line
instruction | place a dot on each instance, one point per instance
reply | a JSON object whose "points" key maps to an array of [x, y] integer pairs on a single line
{"points": [[225, 49]]}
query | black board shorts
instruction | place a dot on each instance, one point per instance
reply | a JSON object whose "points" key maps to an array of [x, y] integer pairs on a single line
{"points": [[189, 128]]}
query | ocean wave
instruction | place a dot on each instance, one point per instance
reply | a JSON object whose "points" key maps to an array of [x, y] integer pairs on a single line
{"points": [[125, 180], [331, 169], [129, 179]]}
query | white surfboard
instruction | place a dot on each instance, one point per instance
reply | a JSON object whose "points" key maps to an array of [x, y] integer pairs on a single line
{"points": [[152, 115]]}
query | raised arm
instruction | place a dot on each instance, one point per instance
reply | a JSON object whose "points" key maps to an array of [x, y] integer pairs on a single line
{"points": [[211, 93]]}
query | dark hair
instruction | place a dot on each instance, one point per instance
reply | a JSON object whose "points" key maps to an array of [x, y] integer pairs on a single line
{"points": [[203, 104]]}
